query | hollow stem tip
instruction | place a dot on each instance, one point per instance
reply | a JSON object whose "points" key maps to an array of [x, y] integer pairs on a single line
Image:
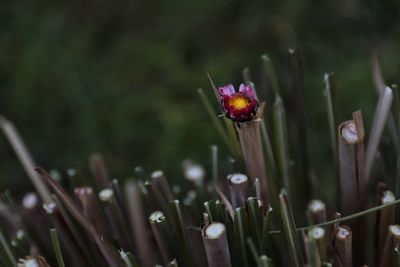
{"points": [[216, 245]]}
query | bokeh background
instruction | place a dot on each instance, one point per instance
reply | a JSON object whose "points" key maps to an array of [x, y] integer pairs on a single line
{"points": [[120, 77]]}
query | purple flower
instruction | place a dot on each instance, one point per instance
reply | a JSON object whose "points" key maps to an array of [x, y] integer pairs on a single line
{"points": [[239, 106]]}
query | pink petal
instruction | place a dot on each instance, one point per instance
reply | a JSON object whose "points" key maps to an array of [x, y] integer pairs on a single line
{"points": [[247, 89], [226, 90]]}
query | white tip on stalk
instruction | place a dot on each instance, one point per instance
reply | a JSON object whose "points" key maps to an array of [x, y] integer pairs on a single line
{"points": [[31, 263], [349, 132], [395, 229], [317, 232], [30, 200], [237, 178], [342, 232], [50, 207], [157, 174], [193, 172], [316, 205], [106, 194], [156, 217], [214, 230], [388, 197]]}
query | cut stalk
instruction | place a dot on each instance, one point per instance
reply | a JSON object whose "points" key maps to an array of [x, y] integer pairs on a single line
{"points": [[99, 171], [115, 218], [138, 224], [265, 230], [5, 252], [318, 234], [240, 186], [242, 232], [181, 233], [316, 212], [253, 210], [250, 140], [216, 245], [392, 242], [343, 246], [161, 231]]}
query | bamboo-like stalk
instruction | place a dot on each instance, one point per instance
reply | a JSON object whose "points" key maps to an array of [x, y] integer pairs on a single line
{"points": [[384, 218], [161, 232], [265, 230], [240, 186], [353, 183], [392, 242], [25, 158], [312, 253], [342, 245], [250, 140], [91, 210], [216, 245], [316, 211], [57, 247], [289, 229], [380, 117], [99, 171], [318, 234], [160, 181], [138, 225], [114, 215]]}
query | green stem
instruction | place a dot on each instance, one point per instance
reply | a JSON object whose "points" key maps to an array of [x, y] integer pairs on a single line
{"points": [[57, 248]]}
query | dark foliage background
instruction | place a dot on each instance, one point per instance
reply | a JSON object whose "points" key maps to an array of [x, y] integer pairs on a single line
{"points": [[120, 77]]}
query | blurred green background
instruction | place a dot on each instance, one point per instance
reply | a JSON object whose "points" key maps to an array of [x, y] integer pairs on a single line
{"points": [[120, 77]]}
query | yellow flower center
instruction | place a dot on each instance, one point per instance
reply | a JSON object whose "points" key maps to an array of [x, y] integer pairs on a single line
{"points": [[239, 102]]}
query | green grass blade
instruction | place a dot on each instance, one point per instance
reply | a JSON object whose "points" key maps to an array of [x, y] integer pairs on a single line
{"points": [[57, 248], [289, 229]]}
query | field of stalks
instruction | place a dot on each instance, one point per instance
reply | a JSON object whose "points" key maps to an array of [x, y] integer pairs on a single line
{"points": [[259, 209]]}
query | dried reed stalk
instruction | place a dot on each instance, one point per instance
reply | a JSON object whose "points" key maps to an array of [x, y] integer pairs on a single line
{"points": [[250, 140], [99, 171], [162, 234], [240, 188], [353, 183], [138, 224], [392, 244], [216, 245], [316, 212], [342, 245]]}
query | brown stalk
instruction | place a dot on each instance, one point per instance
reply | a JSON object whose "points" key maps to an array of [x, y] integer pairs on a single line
{"points": [[240, 188], [115, 218], [91, 210], [25, 158], [391, 243], [250, 141], [316, 212], [353, 183], [161, 229], [216, 245], [99, 171], [160, 181], [138, 224], [342, 245]]}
